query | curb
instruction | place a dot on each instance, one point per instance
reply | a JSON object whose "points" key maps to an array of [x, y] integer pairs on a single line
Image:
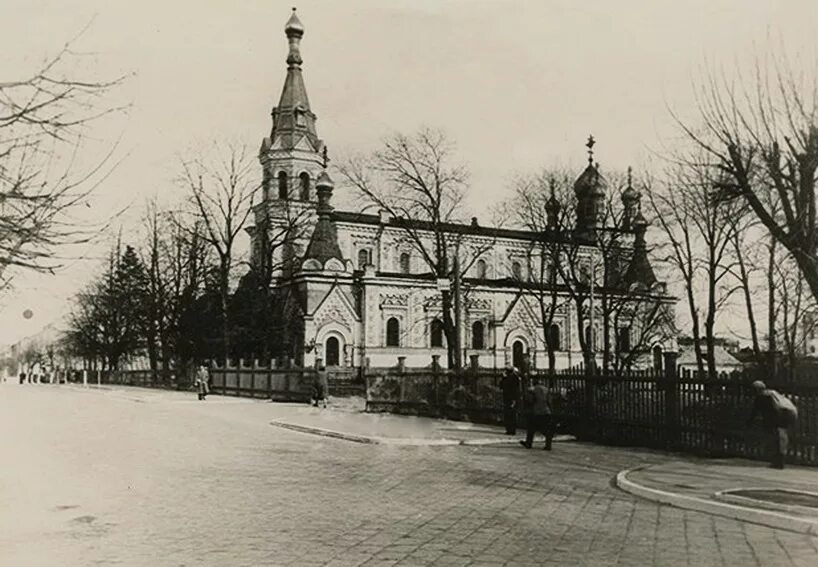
{"points": [[728, 496], [765, 518], [389, 440]]}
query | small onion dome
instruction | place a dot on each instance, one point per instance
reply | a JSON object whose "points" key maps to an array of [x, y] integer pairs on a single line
{"points": [[630, 195], [552, 205], [590, 182], [294, 26], [324, 180]]}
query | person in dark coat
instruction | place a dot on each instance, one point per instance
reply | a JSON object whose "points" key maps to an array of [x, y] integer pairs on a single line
{"points": [[539, 415], [201, 383], [510, 385], [776, 419], [320, 387]]}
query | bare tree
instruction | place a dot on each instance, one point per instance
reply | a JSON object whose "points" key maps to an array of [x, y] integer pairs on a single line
{"points": [[44, 124], [414, 180], [692, 222], [534, 198], [762, 135], [221, 188]]}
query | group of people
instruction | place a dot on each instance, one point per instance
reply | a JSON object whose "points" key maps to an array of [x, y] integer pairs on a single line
{"points": [[537, 404]]}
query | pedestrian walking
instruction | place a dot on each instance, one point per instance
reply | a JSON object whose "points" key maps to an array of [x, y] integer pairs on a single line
{"points": [[778, 414], [22, 377], [320, 387], [539, 414], [202, 382], [510, 385]]}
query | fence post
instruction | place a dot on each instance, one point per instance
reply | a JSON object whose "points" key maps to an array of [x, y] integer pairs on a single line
{"points": [[672, 398]]}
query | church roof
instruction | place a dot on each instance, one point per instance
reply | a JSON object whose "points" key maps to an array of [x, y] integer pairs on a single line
{"points": [[324, 240]]}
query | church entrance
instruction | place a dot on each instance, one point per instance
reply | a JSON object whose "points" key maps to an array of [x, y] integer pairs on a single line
{"points": [[517, 353], [332, 352]]}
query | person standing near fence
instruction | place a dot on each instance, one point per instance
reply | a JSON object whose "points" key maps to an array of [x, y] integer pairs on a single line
{"points": [[777, 414], [320, 386], [510, 385], [539, 415], [201, 383]]}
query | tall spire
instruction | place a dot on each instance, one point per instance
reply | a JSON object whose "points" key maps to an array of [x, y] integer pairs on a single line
{"points": [[292, 118]]}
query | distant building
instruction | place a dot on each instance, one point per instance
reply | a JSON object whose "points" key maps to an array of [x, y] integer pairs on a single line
{"points": [[725, 362], [362, 295], [730, 345]]}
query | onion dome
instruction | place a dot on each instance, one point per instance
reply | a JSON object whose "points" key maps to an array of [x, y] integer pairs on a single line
{"points": [[552, 207], [294, 26], [630, 196]]}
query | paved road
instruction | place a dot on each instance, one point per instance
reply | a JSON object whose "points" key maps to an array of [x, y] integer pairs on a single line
{"points": [[131, 477]]}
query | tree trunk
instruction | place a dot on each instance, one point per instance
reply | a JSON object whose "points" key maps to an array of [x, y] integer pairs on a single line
{"points": [[709, 327], [224, 295], [606, 334], [696, 329], [748, 300], [771, 330]]}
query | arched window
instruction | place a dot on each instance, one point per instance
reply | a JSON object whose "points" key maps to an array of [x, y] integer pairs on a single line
{"points": [[481, 269], [437, 333], [554, 337], [332, 352], [304, 183], [518, 355], [478, 338], [623, 339], [404, 263], [516, 271], [658, 365], [283, 193], [363, 258], [393, 332]]}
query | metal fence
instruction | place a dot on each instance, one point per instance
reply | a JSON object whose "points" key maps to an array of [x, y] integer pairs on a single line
{"points": [[648, 409]]}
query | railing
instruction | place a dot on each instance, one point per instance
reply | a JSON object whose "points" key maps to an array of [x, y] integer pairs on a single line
{"points": [[260, 382], [646, 409]]}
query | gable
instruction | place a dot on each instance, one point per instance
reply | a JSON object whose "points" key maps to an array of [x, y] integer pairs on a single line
{"points": [[335, 307]]}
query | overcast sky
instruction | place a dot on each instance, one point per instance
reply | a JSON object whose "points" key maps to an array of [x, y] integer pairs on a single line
{"points": [[517, 84]]}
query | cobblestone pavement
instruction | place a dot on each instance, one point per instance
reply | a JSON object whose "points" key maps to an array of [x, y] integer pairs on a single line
{"points": [[117, 478]]}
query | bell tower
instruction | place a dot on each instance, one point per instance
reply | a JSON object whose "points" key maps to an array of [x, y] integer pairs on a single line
{"points": [[293, 156]]}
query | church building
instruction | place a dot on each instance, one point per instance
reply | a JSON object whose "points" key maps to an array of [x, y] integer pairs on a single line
{"points": [[354, 290]]}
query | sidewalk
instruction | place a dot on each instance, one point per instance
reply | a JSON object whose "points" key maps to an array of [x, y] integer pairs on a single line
{"points": [[346, 420], [788, 499]]}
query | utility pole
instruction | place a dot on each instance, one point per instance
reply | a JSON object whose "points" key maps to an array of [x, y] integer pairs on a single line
{"points": [[458, 353], [591, 333]]}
